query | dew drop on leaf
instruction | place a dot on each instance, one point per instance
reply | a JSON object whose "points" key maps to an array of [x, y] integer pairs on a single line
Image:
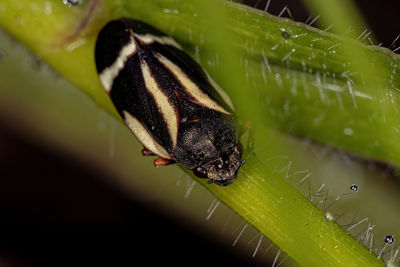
{"points": [[329, 217], [354, 188], [389, 239], [285, 34], [72, 2]]}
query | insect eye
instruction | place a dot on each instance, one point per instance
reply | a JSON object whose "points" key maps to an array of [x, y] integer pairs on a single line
{"points": [[200, 172]]}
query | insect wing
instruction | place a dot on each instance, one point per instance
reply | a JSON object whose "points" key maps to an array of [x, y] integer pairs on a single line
{"points": [[149, 79], [123, 75], [197, 85]]}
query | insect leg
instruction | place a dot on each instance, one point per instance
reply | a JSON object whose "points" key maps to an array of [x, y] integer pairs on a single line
{"points": [[246, 132], [146, 152], [160, 162]]}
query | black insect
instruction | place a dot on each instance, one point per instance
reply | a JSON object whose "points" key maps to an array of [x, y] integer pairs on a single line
{"points": [[168, 101]]}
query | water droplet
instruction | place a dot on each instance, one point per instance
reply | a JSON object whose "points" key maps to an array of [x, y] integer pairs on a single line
{"points": [[329, 217], [389, 239], [72, 2], [348, 131], [170, 11], [354, 188], [285, 34], [48, 8]]}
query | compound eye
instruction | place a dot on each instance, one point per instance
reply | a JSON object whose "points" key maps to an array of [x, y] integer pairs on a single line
{"points": [[200, 172]]}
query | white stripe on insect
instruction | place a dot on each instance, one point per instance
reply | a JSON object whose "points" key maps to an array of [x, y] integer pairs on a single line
{"points": [[108, 75], [144, 136], [164, 106], [191, 88], [150, 38], [221, 92]]}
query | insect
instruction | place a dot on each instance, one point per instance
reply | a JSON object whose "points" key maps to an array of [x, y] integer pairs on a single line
{"points": [[168, 101]]}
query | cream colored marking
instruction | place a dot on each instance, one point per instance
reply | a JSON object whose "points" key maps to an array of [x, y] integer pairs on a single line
{"points": [[191, 88], [221, 92], [108, 75], [149, 39], [144, 136], [165, 107]]}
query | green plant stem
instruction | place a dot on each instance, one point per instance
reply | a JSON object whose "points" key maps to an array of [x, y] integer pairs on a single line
{"points": [[301, 73]]}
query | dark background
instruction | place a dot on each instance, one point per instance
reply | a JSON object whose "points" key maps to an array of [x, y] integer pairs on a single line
{"points": [[89, 221]]}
